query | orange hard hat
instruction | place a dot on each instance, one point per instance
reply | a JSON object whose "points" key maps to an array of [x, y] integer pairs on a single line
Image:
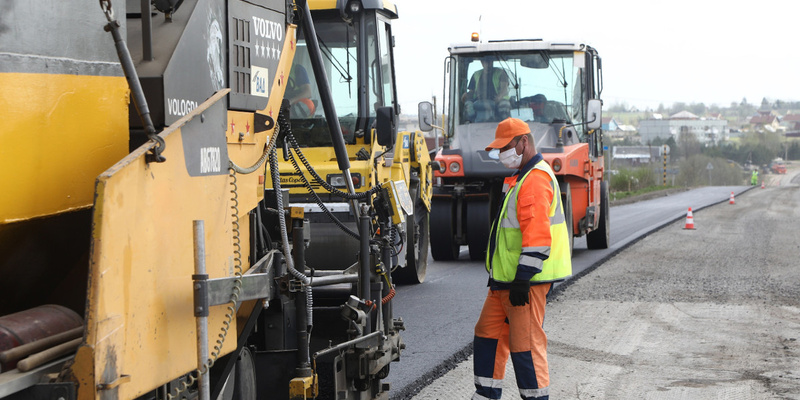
{"points": [[506, 131]]}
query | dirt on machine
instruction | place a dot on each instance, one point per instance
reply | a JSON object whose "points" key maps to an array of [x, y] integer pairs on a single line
{"points": [[151, 244], [553, 86]]}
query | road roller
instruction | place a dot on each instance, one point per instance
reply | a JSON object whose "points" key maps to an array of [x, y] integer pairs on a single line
{"points": [[553, 86]]}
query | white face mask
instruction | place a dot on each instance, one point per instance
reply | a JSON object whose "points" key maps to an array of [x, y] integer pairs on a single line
{"points": [[510, 159]]}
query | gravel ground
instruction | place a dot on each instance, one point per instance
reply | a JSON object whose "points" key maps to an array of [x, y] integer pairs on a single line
{"points": [[710, 313]]}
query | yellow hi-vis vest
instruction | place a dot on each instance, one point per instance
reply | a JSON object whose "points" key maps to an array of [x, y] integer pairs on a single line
{"points": [[497, 74], [502, 265]]}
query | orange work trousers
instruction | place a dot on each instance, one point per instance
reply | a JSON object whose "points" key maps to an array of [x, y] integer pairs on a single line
{"points": [[503, 329]]}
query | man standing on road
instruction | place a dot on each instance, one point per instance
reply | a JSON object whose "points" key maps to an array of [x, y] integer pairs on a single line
{"points": [[528, 251]]}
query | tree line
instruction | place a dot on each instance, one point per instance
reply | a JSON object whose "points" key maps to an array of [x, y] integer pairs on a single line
{"points": [[742, 109]]}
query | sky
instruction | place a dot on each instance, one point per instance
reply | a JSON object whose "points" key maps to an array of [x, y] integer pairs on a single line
{"points": [[700, 51]]}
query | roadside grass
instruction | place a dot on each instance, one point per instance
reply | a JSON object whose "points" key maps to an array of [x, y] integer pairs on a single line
{"points": [[697, 170], [619, 195]]}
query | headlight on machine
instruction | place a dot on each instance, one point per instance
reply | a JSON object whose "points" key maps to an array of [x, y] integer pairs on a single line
{"points": [[455, 167], [557, 165], [338, 180]]}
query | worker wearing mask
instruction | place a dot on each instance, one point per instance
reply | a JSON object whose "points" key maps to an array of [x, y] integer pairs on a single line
{"points": [[528, 251]]}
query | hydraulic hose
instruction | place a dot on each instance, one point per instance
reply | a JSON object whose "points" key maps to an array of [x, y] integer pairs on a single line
{"points": [[331, 189], [285, 126], [319, 201], [287, 255], [267, 149], [137, 93]]}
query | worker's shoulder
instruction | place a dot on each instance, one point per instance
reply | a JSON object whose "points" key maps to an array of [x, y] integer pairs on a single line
{"points": [[538, 174], [537, 180]]}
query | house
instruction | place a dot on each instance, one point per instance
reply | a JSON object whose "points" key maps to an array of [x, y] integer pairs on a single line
{"points": [[610, 124], [636, 155], [765, 121], [707, 131], [791, 122]]}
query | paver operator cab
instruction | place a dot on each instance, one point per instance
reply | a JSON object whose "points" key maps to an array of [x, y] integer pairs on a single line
{"points": [[358, 59], [555, 88]]}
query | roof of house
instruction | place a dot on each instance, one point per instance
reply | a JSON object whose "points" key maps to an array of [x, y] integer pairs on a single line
{"points": [[762, 119], [683, 115], [631, 152], [792, 117]]}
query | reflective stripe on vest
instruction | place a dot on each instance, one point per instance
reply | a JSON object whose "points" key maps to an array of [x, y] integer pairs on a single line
{"points": [[502, 265]]}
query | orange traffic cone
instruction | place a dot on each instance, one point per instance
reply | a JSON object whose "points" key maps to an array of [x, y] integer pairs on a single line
{"points": [[762, 184], [732, 201], [689, 220]]}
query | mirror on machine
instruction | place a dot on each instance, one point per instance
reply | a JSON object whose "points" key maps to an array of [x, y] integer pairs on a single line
{"points": [[594, 114], [425, 112], [535, 60]]}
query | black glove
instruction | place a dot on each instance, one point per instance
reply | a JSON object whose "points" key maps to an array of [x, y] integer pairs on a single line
{"points": [[518, 295]]}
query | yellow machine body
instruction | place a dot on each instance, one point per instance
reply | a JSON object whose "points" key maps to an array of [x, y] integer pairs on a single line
{"points": [[50, 160], [140, 325], [91, 222], [140, 322]]}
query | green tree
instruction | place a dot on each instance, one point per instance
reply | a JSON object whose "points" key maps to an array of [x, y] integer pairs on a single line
{"points": [[688, 144], [698, 109], [618, 107], [694, 171], [677, 107]]}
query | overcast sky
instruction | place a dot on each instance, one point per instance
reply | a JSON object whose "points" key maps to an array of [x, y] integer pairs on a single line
{"points": [[709, 51]]}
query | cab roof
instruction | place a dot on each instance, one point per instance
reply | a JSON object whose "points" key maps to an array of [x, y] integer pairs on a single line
{"points": [[384, 5], [515, 45]]}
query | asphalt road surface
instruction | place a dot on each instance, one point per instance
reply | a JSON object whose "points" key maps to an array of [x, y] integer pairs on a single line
{"points": [[440, 314], [709, 313]]}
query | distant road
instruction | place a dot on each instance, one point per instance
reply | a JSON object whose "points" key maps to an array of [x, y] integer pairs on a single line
{"points": [[440, 314]]}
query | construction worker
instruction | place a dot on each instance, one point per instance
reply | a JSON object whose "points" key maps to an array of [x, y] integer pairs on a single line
{"points": [[298, 92], [486, 97], [528, 251], [754, 178], [537, 104]]}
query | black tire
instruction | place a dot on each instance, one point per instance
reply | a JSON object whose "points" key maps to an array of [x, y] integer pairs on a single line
{"points": [[600, 238], [418, 240], [566, 203], [245, 388], [241, 383], [478, 225], [442, 231]]}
